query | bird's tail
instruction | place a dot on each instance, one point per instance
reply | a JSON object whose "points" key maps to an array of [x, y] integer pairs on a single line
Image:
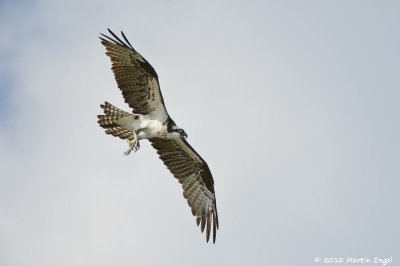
{"points": [[109, 121]]}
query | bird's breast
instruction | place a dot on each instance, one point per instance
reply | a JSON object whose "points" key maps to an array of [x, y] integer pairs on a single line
{"points": [[152, 129]]}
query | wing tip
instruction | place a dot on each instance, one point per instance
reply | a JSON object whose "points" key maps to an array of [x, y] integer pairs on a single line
{"points": [[209, 218], [106, 39], [203, 224], [210, 223]]}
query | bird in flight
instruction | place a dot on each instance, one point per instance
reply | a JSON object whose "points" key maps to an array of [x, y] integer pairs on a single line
{"points": [[138, 82]]}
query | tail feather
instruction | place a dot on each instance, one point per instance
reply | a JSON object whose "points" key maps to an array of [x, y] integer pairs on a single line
{"points": [[119, 131], [109, 121], [110, 109]]}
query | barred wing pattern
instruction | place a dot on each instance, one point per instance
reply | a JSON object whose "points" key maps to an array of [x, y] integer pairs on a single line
{"points": [[136, 78], [196, 179]]}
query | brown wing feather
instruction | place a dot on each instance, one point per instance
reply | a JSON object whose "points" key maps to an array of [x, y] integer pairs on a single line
{"points": [[196, 179], [136, 78]]}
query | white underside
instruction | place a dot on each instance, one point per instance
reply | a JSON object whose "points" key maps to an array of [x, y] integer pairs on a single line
{"points": [[146, 127], [149, 128]]}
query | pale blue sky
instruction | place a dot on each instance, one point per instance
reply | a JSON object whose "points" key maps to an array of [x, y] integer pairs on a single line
{"points": [[293, 104]]}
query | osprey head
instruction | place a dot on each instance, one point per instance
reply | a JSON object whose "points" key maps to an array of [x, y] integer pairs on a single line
{"points": [[175, 131], [181, 132]]}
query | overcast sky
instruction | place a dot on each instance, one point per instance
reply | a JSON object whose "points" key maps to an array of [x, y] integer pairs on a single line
{"points": [[293, 104]]}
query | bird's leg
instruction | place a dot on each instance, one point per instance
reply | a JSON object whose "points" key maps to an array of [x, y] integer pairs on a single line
{"points": [[133, 144]]}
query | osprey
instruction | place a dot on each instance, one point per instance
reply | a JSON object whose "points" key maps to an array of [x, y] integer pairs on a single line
{"points": [[150, 120]]}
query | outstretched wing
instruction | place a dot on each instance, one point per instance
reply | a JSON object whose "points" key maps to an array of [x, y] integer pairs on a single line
{"points": [[136, 78], [196, 179]]}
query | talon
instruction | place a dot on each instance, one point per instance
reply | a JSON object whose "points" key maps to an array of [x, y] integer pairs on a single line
{"points": [[137, 146], [133, 144]]}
